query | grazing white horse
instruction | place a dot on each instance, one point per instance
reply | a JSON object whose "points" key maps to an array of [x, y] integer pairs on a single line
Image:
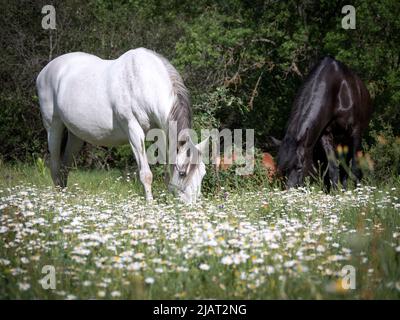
{"points": [[113, 102]]}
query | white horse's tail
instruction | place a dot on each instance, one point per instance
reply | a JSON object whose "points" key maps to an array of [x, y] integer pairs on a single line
{"points": [[181, 111]]}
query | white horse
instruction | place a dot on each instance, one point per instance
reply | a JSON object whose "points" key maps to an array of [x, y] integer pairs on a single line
{"points": [[113, 102]]}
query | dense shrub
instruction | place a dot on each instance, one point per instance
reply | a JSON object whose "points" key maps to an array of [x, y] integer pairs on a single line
{"points": [[385, 155], [220, 179], [243, 61], [21, 132]]}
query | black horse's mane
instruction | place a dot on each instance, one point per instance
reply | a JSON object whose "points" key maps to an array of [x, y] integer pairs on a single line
{"points": [[289, 142], [306, 84]]}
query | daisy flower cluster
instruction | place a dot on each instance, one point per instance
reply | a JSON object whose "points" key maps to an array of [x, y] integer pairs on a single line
{"points": [[260, 244]]}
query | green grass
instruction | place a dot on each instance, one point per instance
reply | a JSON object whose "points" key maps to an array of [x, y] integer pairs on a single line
{"points": [[104, 241]]}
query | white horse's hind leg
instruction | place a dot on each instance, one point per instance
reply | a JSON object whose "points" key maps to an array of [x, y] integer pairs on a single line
{"points": [[72, 148], [136, 140], [55, 136]]}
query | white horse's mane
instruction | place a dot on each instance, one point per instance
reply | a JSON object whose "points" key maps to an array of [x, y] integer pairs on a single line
{"points": [[181, 111]]}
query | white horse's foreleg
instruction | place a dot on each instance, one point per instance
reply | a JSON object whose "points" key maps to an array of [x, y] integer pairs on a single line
{"points": [[136, 140], [167, 174], [55, 136], [72, 148]]}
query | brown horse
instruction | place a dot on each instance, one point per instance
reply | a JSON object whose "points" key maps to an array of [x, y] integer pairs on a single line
{"points": [[332, 107]]}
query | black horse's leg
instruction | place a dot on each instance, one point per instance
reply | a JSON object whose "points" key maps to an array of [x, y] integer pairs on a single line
{"points": [[355, 170], [343, 179], [333, 165]]}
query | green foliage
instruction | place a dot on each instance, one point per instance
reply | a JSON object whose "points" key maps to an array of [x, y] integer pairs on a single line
{"points": [[243, 61], [40, 166], [219, 180], [21, 132], [211, 43], [219, 108], [385, 154]]}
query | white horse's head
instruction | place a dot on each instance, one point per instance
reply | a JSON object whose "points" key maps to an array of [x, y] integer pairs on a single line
{"points": [[188, 171]]}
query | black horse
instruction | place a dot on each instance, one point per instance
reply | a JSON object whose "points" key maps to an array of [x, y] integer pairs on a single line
{"points": [[332, 107]]}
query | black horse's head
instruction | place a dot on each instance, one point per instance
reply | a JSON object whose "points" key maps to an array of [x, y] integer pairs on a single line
{"points": [[294, 162]]}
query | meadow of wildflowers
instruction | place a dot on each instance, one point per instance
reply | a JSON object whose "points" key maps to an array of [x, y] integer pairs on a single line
{"points": [[105, 242]]}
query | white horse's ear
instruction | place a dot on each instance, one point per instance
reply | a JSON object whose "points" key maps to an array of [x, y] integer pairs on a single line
{"points": [[183, 139], [203, 146]]}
